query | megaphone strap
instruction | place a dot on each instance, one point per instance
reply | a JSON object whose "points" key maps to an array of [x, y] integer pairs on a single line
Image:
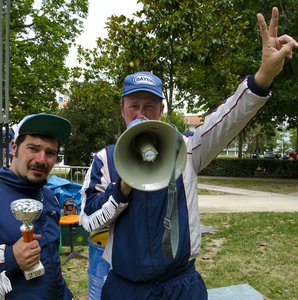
{"points": [[170, 239]]}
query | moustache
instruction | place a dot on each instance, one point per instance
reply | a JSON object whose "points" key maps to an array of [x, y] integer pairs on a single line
{"points": [[41, 167]]}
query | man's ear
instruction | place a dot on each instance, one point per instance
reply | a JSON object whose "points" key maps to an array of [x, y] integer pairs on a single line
{"points": [[13, 147], [162, 109], [122, 105]]}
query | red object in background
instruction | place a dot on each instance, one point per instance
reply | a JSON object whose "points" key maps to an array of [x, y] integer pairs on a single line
{"points": [[69, 207], [292, 154]]}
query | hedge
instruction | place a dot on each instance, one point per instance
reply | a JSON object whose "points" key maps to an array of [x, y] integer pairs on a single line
{"points": [[265, 168]]}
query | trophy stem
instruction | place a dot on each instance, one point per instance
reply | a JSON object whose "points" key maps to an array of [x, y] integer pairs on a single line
{"points": [[27, 232]]}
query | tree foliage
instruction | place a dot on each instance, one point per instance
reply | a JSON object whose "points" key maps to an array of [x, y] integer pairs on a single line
{"points": [[41, 33], [176, 119], [188, 44], [283, 105], [94, 112], [200, 50]]}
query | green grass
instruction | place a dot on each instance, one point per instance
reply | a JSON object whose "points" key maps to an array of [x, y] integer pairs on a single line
{"points": [[282, 186], [255, 248], [75, 272]]}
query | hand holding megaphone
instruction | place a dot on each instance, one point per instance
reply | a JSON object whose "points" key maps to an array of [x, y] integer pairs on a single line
{"points": [[124, 187]]}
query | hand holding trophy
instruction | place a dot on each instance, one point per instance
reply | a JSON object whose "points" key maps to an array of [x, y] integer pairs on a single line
{"points": [[28, 210]]}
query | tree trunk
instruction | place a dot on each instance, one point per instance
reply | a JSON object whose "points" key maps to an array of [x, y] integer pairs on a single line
{"points": [[257, 150], [240, 144], [297, 139]]}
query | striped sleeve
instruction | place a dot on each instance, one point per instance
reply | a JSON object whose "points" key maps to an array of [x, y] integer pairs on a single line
{"points": [[102, 201], [224, 124]]}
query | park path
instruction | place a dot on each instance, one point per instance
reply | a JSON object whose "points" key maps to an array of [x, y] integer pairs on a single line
{"points": [[242, 200]]}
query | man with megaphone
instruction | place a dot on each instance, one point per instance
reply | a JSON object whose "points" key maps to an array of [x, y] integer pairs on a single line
{"points": [[154, 234]]}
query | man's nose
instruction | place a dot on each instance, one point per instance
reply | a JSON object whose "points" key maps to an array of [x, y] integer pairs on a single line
{"points": [[40, 156], [141, 113]]}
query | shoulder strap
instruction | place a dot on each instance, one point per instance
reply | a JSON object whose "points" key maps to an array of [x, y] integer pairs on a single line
{"points": [[170, 240]]}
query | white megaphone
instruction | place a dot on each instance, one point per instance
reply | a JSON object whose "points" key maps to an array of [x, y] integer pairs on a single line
{"points": [[145, 154]]}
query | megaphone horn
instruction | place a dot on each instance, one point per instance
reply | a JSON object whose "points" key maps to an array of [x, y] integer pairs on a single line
{"points": [[145, 155]]}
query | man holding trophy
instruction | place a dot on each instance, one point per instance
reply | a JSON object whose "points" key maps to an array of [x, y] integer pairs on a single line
{"points": [[29, 216]]}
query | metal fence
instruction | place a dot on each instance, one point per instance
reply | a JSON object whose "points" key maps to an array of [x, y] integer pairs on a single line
{"points": [[71, 173]]}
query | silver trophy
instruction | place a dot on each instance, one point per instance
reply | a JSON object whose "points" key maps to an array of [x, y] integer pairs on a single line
{"points": [[28, 210]]}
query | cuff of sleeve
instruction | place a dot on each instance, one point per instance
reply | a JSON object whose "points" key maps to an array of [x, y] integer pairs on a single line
{"points": [[256, 89], [10, 260], [117, 195]]}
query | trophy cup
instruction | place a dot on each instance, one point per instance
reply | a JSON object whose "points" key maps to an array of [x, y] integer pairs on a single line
{"points": [[27, 210]]}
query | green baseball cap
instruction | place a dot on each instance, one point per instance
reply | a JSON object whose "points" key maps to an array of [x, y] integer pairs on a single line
{"points": [[45, 124]]}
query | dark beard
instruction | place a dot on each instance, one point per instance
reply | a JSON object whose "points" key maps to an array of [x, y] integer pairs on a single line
{"points": [[36, 179]]}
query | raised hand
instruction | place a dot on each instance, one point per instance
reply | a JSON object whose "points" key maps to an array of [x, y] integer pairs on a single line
{"points": [[275, 50]]}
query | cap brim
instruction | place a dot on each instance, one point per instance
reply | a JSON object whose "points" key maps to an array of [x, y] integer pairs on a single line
{"points": [[47, 124], [142, 90]]}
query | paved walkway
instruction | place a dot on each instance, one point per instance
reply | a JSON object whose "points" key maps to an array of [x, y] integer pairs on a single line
{"points": [[242, 200]]}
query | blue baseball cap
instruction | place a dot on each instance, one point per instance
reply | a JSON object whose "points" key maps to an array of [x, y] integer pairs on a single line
{"points": [[45, 124], [142, 81]]}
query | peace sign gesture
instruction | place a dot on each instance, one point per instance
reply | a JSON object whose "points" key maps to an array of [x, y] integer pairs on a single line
{"points": [[275, 50]]}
